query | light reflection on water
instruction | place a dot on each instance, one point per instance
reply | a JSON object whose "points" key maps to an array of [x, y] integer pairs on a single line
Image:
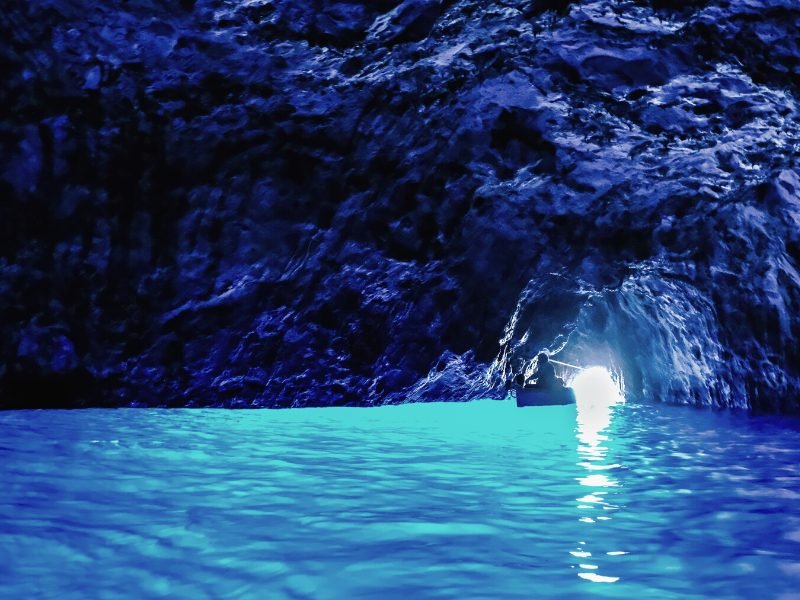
{"points": [[597, 398], [478, 500]]}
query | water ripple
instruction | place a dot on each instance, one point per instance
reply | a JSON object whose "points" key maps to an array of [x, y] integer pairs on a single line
{"points": [[475, 500]]}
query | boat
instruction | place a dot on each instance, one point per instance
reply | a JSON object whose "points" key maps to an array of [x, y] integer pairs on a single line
{"points": [[540, 396]]}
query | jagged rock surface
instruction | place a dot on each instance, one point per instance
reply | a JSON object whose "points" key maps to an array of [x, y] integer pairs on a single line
{"points": [[295, 203]]}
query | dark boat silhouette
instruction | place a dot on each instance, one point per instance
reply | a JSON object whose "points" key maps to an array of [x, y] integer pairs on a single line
{"points": [[542, 396]]}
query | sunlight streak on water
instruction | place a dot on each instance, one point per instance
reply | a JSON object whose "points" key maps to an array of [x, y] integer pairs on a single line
{"points": [[470, 500], [597, 397]]}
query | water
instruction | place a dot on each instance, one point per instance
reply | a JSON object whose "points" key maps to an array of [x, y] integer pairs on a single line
{"points": [[479, 500]]}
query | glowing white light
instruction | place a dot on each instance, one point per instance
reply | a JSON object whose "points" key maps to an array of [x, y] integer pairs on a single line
{"points": [[597, 481], [598, 578], [595, 394], [596, 386]]}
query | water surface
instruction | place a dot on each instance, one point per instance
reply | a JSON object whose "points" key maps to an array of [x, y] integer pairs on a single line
{"points": [[478, 500]]}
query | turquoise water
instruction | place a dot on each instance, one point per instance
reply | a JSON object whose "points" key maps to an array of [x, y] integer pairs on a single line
{"points": [[478, 500]]}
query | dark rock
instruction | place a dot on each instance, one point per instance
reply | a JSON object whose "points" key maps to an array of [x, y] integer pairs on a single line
{"points": [[410, 21], [46, 371], [275, 203], [46, 351]]}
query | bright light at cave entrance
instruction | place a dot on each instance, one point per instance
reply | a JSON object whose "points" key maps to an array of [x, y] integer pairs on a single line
{"points": [[596, 393], [596, 386]]}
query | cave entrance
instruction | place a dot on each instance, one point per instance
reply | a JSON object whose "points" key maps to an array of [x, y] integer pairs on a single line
{"points": [[596, 386], [597, 392]]}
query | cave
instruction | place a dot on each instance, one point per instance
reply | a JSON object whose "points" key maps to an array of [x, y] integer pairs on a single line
{"points": [[522, 277], [190, 201]]}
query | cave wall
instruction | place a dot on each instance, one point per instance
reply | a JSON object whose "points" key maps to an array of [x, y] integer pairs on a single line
{"points": [[296, 203]]}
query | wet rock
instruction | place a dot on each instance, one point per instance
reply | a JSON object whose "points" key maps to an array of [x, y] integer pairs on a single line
{"points": [[47, 351], [296, 203], [46, 370], [610, 68], [410, 21]]}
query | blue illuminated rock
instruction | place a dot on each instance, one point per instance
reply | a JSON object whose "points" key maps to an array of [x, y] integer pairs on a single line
{"points": [[295, 203]]}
